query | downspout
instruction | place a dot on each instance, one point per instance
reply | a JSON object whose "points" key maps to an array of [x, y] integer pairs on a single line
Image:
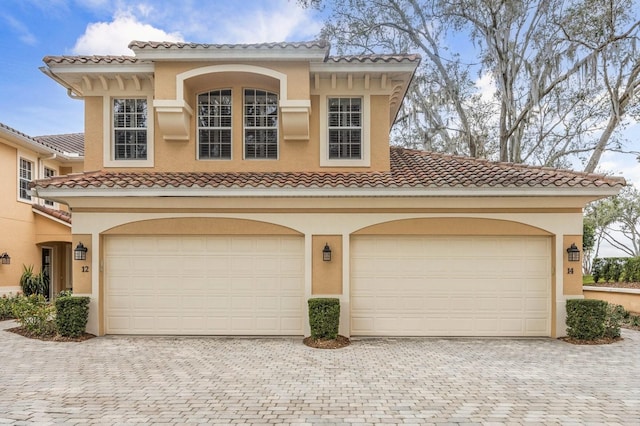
{"points": [[71, 92]]}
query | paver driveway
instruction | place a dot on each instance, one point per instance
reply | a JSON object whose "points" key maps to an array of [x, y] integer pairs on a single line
{"points": [[279, 380]]}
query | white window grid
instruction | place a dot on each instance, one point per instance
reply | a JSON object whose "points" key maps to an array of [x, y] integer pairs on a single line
{"points": [[260, 124], [130, 129], [214, 124], [345, 128], [26, 176]]}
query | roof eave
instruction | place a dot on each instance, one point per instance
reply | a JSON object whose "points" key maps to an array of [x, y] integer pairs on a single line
{"points": [[364, 67], [27, 143], [57, 193], [235, 54]]}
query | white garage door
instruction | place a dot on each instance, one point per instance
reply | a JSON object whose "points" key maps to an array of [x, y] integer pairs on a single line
{"points": [[225, 285], [450, 286]]}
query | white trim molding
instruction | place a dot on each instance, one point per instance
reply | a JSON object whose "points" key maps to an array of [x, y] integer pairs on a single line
{"points": [[108, 157], [365, 161]]}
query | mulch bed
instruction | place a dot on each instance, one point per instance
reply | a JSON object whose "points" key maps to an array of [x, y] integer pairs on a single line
{"points": [[339, 342], [50, 338], [603, 341]]}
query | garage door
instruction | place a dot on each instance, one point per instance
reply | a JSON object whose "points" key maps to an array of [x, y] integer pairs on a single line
{"points": [[450, 286], [226, 285]]}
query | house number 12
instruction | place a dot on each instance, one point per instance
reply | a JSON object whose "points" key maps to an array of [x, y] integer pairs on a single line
{"points": [[85, 269]]}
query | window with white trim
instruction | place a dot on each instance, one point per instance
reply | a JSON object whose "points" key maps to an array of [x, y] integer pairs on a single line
{"points": [[129, 129], [214, 124], [49, 173], [25, 178], [345, 128], [260, 124]]}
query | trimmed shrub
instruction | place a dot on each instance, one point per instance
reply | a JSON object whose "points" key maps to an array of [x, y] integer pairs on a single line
{"points": [[35, 314], [72, 314], [616, 314], [631, 270], [324, 317], [6, 306], [615, 269], [597, 269], [586, 318]]}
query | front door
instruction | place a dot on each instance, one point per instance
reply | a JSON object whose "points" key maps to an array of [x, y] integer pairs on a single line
{"points": [[47, 254]]}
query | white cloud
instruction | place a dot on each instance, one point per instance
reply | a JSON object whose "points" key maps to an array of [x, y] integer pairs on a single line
{"points": [[486, 87], [112, 38], [624, 165], [21, 30], [269, 26]]}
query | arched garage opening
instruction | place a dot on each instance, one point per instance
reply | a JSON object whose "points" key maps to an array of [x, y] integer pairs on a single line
{"points": [[451, 277], [203, 276]]}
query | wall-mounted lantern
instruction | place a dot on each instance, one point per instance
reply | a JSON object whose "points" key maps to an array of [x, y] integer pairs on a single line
{"points": [[573, 253], [80, 252], [326, 253], [5, 258]]}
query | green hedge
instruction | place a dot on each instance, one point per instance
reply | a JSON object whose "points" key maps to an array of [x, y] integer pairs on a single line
{"points": [[324, 317], [616, 269], [72, 314], [590, 319]]}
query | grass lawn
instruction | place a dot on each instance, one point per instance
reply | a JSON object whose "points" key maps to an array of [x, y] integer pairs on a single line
{"points": [[587, 279]]}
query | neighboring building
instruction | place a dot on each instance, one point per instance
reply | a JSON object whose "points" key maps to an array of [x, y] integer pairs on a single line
{"points": [[220, 176], [35, 232]]}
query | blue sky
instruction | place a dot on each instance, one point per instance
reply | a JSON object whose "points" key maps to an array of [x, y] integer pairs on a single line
{"points": [[31, 29]]}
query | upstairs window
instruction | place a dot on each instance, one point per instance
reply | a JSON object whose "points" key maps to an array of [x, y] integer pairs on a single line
{"points": [[130, 129], [345, 128], [260, 124], [214, 124], [48, 173], [26, 176]]}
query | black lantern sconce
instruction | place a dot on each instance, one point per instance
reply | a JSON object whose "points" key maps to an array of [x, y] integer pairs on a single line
{"points": [[6, 259], [573, 253], [326, 253], [80, 252]]}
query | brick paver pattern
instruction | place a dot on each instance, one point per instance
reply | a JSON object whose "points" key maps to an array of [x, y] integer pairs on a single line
{"points": [[179, 380]]}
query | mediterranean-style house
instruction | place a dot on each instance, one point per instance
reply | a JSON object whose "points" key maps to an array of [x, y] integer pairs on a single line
{"points": [[35, 232], [225, 185]]}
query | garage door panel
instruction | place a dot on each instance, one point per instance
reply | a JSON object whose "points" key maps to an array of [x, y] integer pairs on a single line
{"points": [[450, 285], [204, 285]]}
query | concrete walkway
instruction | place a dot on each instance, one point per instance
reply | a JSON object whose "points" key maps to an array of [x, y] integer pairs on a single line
{"points": [[114, 380]]}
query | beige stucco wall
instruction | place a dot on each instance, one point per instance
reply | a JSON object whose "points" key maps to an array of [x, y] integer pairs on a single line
{"points": [[338, 223], [181, 155], [48, 230], [326, 276], [629, 298], [572, 270], [93, 131], [20, 228], [81, 270]]}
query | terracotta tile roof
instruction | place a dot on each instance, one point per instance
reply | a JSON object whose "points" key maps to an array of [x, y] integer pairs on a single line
{"points": [[58, 214], [409, 169], [322, 44], [93, 59], [414, 57], [316, 44], [69, 143]]}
